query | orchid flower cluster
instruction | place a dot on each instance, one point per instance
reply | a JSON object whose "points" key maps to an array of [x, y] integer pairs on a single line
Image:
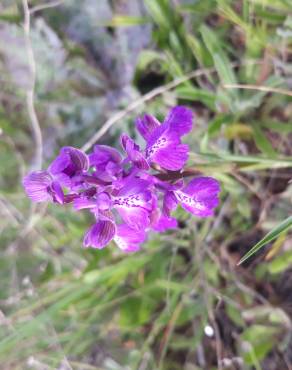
{"points": [[124, 193]]}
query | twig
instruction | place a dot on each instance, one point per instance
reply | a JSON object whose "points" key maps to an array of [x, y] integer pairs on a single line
{"points": [[52, 4], [143, 99], [31, 89], [259, 88]]}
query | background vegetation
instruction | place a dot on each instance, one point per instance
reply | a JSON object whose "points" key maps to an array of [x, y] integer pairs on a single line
{"points": [[182, 302]]}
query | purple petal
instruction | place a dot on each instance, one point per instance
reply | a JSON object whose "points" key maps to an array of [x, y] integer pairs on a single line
{"points": [[59, 164], [136, 217], [78, 158], [99, 235], [57, 192], [102, 154], [147, 125], [103, 201], [63, 179], [106, 161], [173, 157], [203, 187], [133, 186], [164, 223], [200, 196], [70, 161], [179, 120], [106, 215], [128, 239], [84, 203], [37, 184], [134, 152], [169, 203]]}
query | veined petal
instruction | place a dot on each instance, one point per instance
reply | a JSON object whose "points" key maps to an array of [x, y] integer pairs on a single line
{"points": [[147, 125], [133, 152], [78, 158], [179, 120], [99, 235], [37, 184], [57, 192], [128, 239], [200, 196]]}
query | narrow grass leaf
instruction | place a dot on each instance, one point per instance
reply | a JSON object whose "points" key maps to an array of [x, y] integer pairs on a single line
{"points": [[273, 234]]}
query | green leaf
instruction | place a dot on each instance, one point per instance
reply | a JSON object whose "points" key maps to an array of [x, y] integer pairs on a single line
{"points": [[220, 59], [194, 94], [156, 11], [126, 21], [262, 143], [285, 225], [280, 263]]}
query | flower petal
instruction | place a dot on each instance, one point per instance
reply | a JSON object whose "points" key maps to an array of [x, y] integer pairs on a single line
{"points": [[84, 203], [128, 239], [164, 223], [147, 125], [134, 186], [102, 154], [169, 203], [134, 153], [136, 217], [37, 184], [59, 164], [103, 201], [57, 192], [78, 158], [200, 196], [179, 120], [133, 202], [172, 157], [106, 161], [99, 235]]}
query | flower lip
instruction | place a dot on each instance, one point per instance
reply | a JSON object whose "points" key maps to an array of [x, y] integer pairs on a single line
{"points": [[200, 196]]}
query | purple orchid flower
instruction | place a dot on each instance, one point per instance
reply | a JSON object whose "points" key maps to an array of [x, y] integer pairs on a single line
{"points": [[69, 164], [164, 145], [41, 187], [199, 197], [106, 162], [126, 197]]}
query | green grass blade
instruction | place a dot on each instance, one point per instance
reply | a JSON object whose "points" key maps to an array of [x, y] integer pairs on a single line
{"points": [[273, 234]]}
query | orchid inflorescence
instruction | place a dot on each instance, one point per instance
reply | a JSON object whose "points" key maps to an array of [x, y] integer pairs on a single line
{"points": [[127, 196]]}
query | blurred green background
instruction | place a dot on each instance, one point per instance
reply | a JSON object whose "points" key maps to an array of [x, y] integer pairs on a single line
{"points": [[182, 302]]}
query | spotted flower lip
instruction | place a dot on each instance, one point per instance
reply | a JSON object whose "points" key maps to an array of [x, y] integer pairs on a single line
{"points": [[200, 196], [124, 194]]}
